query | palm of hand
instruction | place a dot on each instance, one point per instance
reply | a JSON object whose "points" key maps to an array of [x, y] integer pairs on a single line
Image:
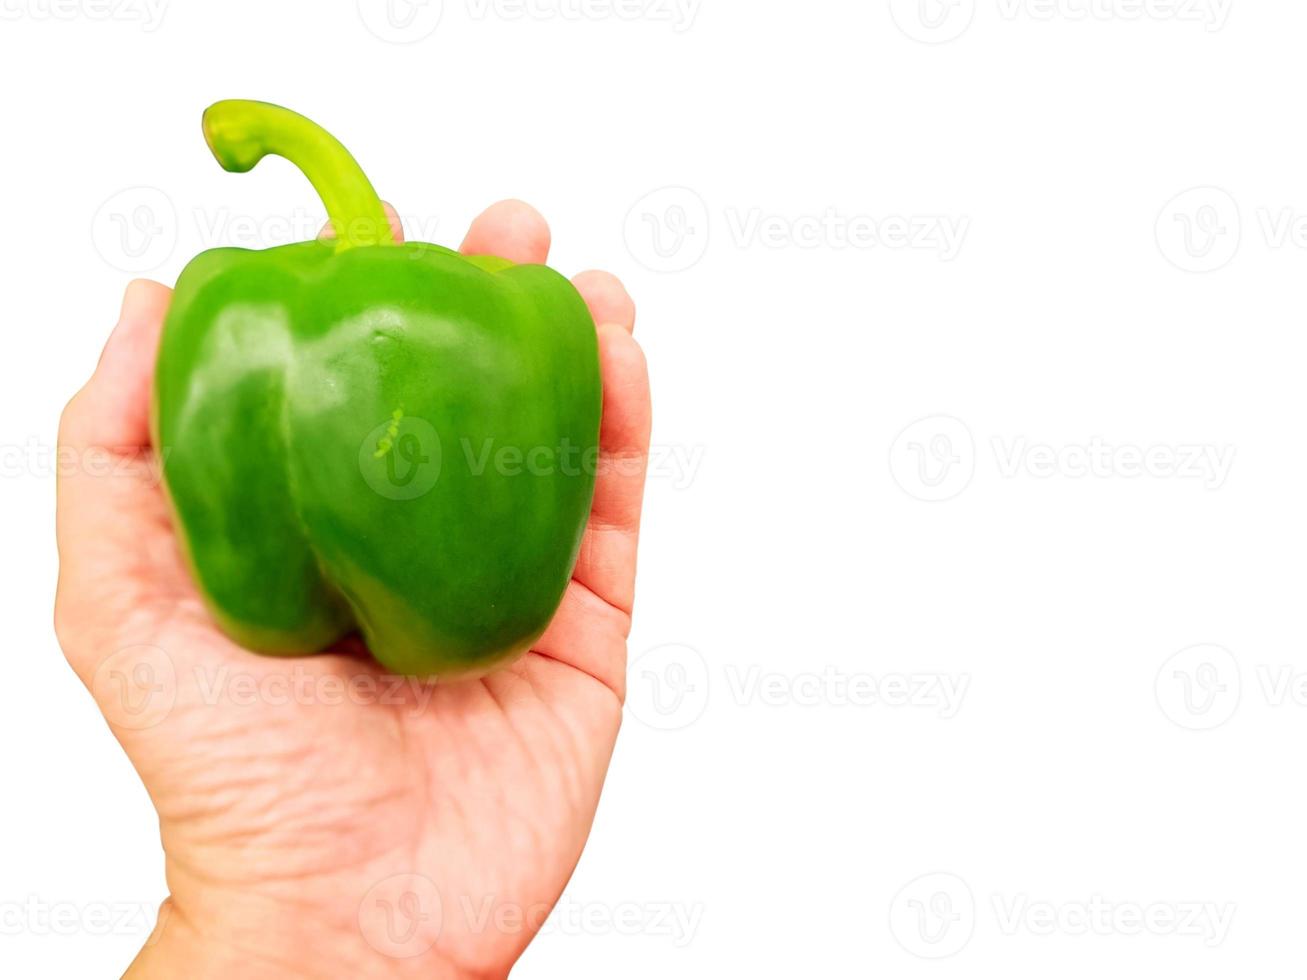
{"points": [[403, 823]]}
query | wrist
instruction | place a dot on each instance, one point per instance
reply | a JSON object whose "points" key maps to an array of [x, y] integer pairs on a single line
{"points": [[262, 942]]}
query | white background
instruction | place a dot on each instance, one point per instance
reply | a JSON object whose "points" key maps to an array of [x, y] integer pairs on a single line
{"points": [[770, 792]]}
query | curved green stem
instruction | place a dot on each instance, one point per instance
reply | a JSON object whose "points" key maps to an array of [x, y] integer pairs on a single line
{"points": [[241, 133]]}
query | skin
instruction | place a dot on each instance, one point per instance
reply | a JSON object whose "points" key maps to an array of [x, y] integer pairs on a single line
{"points": [[293, 825]]}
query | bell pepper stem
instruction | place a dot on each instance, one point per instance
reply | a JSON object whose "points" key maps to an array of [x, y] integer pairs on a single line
{"points": [[241, 133]]}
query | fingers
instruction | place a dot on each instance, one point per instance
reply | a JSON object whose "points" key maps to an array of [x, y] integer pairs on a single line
{"points": [[113, 409], [607, 298], [606, 564], [607, 561], [604, 587], [589, 633], [516, 231], [108, 511], [512, 230], [396, 226]]}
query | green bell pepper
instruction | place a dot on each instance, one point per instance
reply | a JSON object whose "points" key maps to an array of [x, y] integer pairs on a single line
{"points": [[361, 435]]}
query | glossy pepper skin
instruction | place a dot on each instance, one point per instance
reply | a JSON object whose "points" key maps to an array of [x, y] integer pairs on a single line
{"points": [[364, 435]]}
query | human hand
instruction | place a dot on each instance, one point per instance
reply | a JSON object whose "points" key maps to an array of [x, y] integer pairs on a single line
{"points": [[318, 816]]}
